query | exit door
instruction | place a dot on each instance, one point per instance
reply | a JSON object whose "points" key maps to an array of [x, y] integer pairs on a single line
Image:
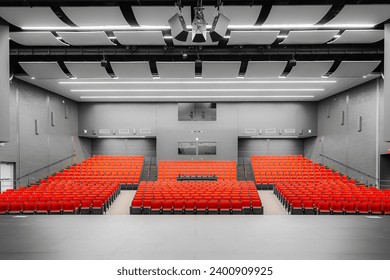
{"points": [[7, 176]]}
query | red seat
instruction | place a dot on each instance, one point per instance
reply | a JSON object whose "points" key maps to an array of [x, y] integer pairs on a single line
{"points": [[375, 208], [236, 207], [85, 207], [15, 208], [167, 207], [97, 206], [362, 208], [350, 208], [70, 207], [386, 208], [156, 207], [189, 207], [56, 208], [296, 207], [323, 207], [178, 207], [136, 207], [29, 207], [212, 206], [4, 208], [43, 207], [201, 206], [337, 208], [308, 207], [257, 207], [224, 207]]}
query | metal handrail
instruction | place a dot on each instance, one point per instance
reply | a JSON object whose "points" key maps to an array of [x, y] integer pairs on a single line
{"points": [[42, 168]]}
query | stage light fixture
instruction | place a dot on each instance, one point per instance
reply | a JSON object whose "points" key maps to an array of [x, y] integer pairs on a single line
{"points": [[220, 24], [178, 25], [199, 25]]}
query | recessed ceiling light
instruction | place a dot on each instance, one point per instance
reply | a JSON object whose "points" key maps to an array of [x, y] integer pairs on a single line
{"points": [[246, 81], [198, 90], [193, 97], [32, 78]]}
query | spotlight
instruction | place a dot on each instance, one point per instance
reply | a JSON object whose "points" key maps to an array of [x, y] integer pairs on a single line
{"points": [[292, 62], [220, 25], [185, 56], [178, 25], [199, 25]]}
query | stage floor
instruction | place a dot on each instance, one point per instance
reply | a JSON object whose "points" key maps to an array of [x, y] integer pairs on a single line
{"points": [[194, 237]]}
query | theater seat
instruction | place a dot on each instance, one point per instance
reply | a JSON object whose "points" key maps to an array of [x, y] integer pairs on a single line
{"points": [[201, 207], [15, 208], [85, 207], [296, 207], [375, 209], [224, 207], [178, 207], [362, 208], [308, 207], [136, 207], [386, 208], [257, 207], [97, 207], [43, 208], [3, 208], [336, 208], [350, 208], [189, 207], [212, 207], [156, 207], [70, 208], [323, 208], [29, 208], [55, 208], [167, 207], [236, 207]]}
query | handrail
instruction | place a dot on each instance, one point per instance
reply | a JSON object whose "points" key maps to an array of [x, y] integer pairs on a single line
{"points": [[51, 164], [354, 169]]}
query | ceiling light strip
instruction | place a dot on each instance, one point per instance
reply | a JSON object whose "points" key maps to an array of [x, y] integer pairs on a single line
{"points": [[193, 82], [196, 90], [232, 27], [192, 97]]}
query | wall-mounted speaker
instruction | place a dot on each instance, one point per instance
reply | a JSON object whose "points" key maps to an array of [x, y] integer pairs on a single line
{"points": [[36, 127], [219, 27], [52, 118], [178, 27]]}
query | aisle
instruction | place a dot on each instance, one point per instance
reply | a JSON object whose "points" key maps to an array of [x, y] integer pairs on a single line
{"points": [[271, 204], [121, 205]]}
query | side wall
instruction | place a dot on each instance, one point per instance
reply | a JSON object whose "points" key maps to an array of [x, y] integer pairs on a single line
{"points": [[344, 142], [31, 151]]}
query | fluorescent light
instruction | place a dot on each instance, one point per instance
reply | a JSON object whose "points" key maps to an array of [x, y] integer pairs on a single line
{"points": [[196, 90], [168, 37], [235, 27], [156, 78], [337, 36], [112, 37], [59, 38], [282, 77], [325, 77], [94, 28], [73, 78], [226, 37], [192, 97], [198, 82], [281, 36], [129, 136]]}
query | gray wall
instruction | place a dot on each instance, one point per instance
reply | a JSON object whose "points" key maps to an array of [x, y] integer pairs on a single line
{"points": [[53, 143], [249, 147], [277, 115], [162, 120], [4, 84], [344, 143], [145, 147]]}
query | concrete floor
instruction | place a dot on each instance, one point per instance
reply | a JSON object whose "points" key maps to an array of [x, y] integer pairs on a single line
{"points": [[271, 204], [122, 203], [194, 237]]}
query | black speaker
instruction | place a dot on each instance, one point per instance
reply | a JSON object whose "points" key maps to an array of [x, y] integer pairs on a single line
{"points": [[219, 27], [178, 27], [199, 33]]}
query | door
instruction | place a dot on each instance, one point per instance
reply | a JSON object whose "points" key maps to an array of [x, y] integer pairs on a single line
{"points": [[7, 176]]}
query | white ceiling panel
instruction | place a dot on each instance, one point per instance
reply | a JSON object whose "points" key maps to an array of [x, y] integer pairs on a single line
{"points": [[132, 69], [95, 16], [91, 38], [265, 69], [86, 69], [294, 15], [179, 70], [158, 15], [238, 15], [355, 69], [42, 38], [43, 70], [309, 37], [220, 69], [252, 37], [359, 37], [190, 43], [361, 14], [310, 69], [140, 37], [31, 17]]}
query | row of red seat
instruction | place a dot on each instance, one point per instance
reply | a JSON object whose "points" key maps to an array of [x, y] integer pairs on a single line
{"points": [[164, 197], [89, 194], [315, 189], [223, 170]]}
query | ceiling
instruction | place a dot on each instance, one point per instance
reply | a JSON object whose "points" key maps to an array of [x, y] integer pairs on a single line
{"points": [[336, 44]]}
